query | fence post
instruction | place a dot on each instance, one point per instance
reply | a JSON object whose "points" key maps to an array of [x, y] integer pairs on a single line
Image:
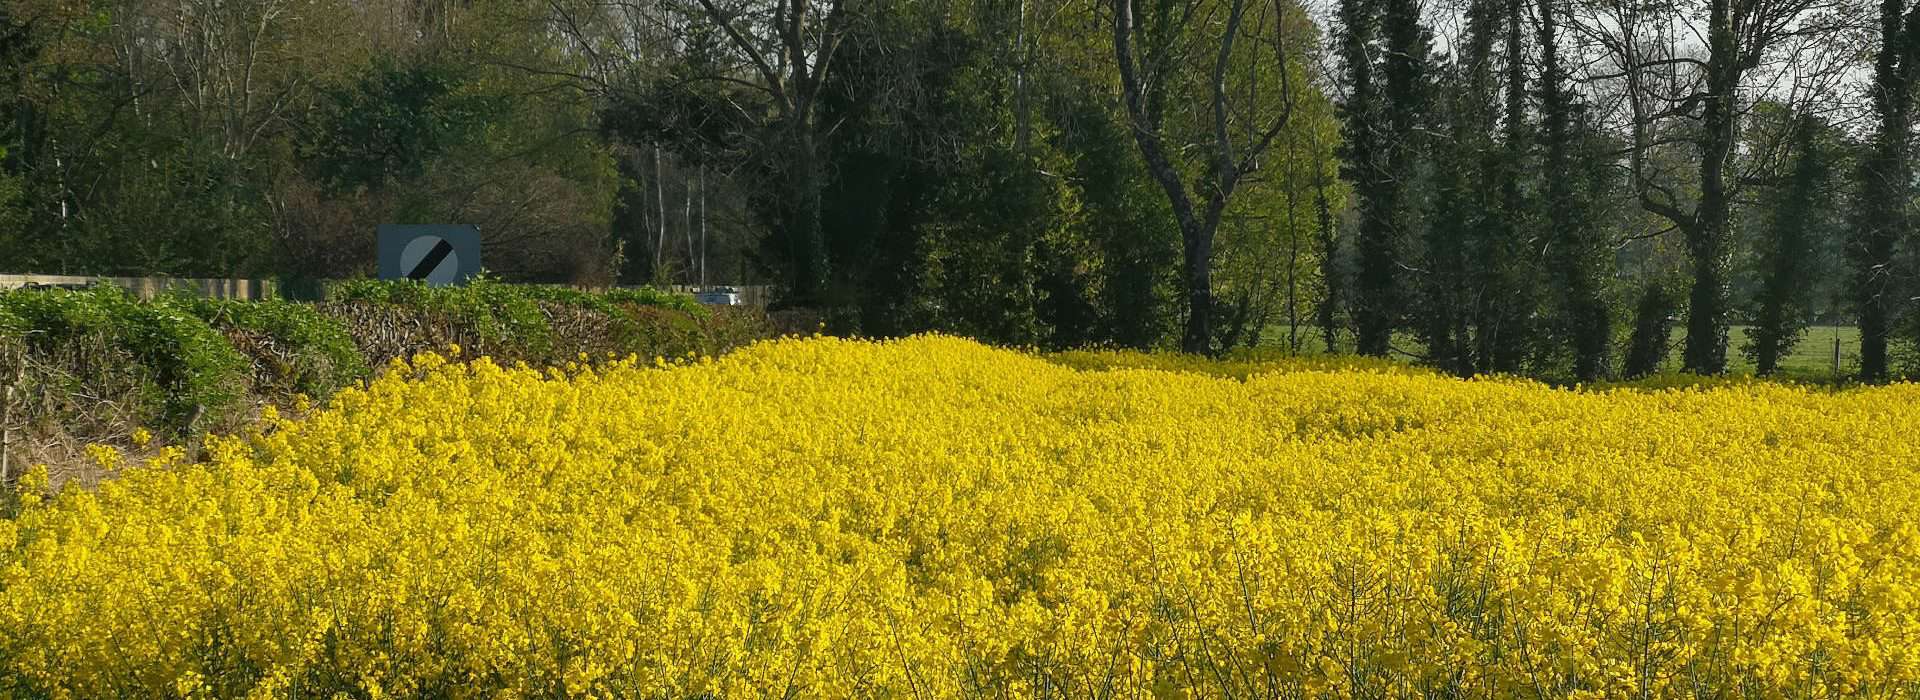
{"points": [[6, 434], [194, 436], [1836, 353]]}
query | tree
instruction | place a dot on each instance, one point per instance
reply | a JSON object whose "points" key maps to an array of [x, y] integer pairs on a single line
{"points": [[743, 75], [1581, 256], [1741, 36], [1883, 220], [1466, 200], [1376, 299], [1789, 248], [1508, 294], [1327, 241], [1652, 329], [791, 46], [1144, 84]]}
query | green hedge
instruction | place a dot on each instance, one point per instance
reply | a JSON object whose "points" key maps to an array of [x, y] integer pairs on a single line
{"points": [[104, 362], [294, 347], [183, 364], [497, 313], [531, 323]]}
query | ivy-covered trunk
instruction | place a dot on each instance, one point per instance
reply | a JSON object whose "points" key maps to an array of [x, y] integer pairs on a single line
{"points": [[805, 239], [1706, 351], [1198, 266], [1885, 187]]}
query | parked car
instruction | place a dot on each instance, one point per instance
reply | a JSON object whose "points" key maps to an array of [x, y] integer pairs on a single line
{"points": [[719, 296]]}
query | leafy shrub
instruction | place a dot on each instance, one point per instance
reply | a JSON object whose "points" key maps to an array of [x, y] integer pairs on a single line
{"points": [[293, 347], [616, 299], [534, 324], [493, 313], [185, 365]]}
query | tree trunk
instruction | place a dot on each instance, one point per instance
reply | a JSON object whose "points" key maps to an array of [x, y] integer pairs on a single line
{"points": [[1293, 275], [1884, 189], [660, 197], [1766, 344], [1706, 351], [703, 226], [686, 228], [1327, 312], [1651, 331], [1199, 278], [804, 235]]}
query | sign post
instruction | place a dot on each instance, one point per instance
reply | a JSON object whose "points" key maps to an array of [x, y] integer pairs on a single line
{"points": [[437, 254]]}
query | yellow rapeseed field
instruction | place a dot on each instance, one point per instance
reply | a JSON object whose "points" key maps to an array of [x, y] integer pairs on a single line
{"points": [[931, 518]]}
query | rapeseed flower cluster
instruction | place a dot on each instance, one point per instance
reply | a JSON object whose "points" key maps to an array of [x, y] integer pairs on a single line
{"points": [[934, 518]]}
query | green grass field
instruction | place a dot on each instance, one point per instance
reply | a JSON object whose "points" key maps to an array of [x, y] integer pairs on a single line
{"points": [[1810, 360]]}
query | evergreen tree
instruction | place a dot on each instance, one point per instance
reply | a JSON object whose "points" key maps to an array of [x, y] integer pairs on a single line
{"points": [[1375, 301], [1466, 201], [1580, 257], [1504, 314], [1786, 253]]}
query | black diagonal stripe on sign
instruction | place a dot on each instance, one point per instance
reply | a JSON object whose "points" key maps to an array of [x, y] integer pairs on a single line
{"points": [[427, 264]]}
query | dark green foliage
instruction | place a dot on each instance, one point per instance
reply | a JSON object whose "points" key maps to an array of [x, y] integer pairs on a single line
{"points": [[1509, 268], [943, 212], [293, 347], [1882, 223], [1466, 200], [1580, 259], [1376, 297], [1653, 318], [183, 369], [389, 124], [1126, 223], [531, 323], [1789, 251]]}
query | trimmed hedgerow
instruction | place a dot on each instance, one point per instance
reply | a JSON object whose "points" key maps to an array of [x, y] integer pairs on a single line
{"points": [[185, 368], [294, 347], [527, 323], [98, 364], [495, 312]]}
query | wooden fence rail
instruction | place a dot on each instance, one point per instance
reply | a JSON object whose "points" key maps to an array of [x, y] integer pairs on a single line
{"points": [[149, 287], [255, 290]]}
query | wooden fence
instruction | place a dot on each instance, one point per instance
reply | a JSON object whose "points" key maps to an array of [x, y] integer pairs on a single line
{"points": [[255, 290], [149, 287]]}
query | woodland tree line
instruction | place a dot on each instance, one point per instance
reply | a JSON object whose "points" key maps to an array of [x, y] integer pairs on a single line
{"points": [[1535, 186]]}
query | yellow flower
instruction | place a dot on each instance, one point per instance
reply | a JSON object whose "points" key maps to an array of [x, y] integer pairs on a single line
{"points": [[931, 517]]}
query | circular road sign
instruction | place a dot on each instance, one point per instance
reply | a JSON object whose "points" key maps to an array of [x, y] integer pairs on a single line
{"points": [[430, 258]]}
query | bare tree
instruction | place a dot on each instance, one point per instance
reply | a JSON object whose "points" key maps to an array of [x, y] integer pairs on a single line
{"points": [[781, 51], [1672, 69], [1144, 82]]}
